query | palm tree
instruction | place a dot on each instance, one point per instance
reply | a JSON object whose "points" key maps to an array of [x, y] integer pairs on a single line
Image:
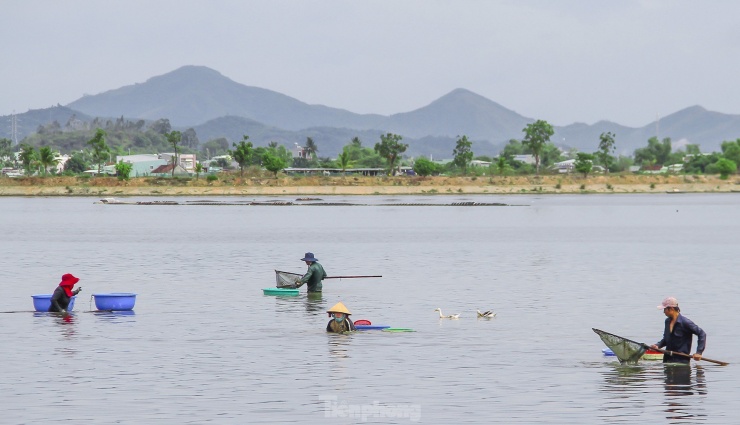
{"points": [[310, 147], [47, 158], [344, 161]]}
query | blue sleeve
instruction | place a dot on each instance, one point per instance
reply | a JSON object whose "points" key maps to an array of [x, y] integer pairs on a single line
{"points": [[700, 335]]}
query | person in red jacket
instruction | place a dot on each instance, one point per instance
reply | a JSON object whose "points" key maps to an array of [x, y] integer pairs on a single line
{"points": [[64, 293]]}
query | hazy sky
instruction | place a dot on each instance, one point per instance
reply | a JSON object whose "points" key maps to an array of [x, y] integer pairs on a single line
{"points": [[562, 61]]}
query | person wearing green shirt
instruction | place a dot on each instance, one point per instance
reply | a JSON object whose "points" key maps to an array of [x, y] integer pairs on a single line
{"points": [[314, 275]]}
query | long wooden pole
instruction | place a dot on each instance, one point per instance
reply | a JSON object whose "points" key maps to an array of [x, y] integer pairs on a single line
{"points": [[677, 353], [348, 277]]}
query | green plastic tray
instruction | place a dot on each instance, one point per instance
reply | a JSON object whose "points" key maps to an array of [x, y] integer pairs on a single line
{"points": [[280, 291], [398, 330]]}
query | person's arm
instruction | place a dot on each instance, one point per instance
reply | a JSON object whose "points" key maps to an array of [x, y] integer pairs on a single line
{"points": [[77, 291], [306, 277], [659, 344], [701, 336]]}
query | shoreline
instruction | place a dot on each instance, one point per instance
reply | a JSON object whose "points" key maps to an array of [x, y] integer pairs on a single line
{"points": [[341, 185]]}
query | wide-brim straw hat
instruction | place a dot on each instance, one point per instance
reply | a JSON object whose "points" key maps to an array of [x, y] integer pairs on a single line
{"points": [[339, 308]]}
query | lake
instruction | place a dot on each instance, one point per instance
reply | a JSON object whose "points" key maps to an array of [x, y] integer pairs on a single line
{"points": [[204, 345]]}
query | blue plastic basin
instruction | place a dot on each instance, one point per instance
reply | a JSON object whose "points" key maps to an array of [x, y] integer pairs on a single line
{"points": [[115, 301], [43, 302]]}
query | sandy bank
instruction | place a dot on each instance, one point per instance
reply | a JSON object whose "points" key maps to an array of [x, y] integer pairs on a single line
{"points": [[229, 185]]}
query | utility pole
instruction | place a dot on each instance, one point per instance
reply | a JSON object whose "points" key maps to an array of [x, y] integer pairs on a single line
{"points": [[14, 128]]}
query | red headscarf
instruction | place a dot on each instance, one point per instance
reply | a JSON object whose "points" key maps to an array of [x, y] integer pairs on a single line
{"points": [[68, 282]]}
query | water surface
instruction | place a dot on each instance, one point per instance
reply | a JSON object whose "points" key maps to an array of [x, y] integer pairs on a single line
{"points": [[205, 346]]}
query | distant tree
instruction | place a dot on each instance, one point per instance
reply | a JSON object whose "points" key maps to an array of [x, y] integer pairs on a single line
{"points": [[425, 167], [513, 148], [311, 149], [606, 147], [100, 149], [273, 163], [622, 163], [693, 149], [584, 163], [198, 170], [223, 163], [161, 126], [6, 150], [174, 138], [731, 150], [361, 156], [47, 159], [536, 135], [215, 147], [300, 162], [701, 164], [390, 148], [242, 154], [502, 166], [344, 161], [550, 155], [28, 157], [725, 167], [462, 153], [123, 170], [190, 139], [281, 151], [656, 152], [76, 163]]}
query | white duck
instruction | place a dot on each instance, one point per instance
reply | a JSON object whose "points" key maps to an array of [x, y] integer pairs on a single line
{"points": [[486, 314], [451, 316]]}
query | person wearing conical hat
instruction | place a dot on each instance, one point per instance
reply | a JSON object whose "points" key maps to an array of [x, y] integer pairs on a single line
{"points": [[63, 293], [340, 321], [314, 275]]}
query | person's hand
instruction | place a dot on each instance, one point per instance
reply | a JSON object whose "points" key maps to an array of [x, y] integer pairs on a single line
{"points": [[697, 356], [654, 347], [78, 290], [63, 311]]}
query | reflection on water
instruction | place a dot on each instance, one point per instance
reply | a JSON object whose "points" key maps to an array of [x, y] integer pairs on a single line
{"points": [[315, 303], [123, 316], [682, 381], [627, 386], [339, 345]]}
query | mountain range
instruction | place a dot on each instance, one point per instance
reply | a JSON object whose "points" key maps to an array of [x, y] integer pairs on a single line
{"points": [[215, 106]]}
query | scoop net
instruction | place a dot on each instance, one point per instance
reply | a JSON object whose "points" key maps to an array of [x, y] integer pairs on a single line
{"points": [[286, 279], [626, 350]]}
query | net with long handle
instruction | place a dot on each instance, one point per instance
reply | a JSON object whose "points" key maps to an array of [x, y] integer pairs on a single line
{"points": [[626, 350], [286, 279]]}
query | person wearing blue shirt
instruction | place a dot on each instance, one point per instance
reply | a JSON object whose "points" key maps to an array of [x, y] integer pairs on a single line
{"points": [[678, 333]]}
